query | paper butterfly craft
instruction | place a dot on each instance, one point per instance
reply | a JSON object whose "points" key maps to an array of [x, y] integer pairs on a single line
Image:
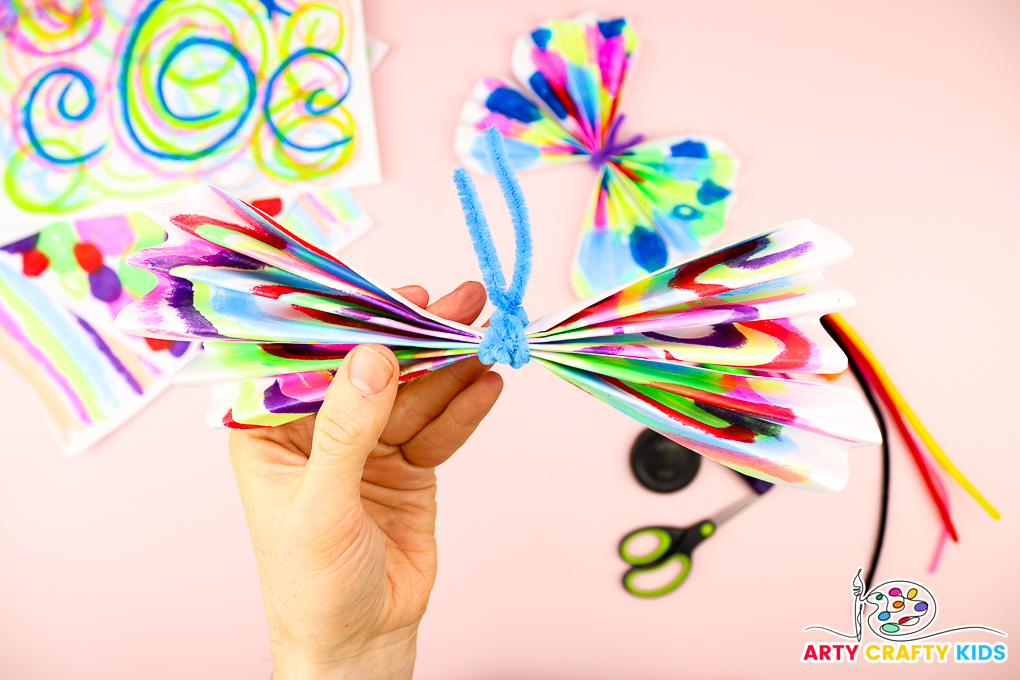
{"points": [[654, 202], [690, 351]]}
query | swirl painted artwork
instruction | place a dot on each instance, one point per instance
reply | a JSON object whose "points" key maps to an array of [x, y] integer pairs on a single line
{"points": [[107, 105]]}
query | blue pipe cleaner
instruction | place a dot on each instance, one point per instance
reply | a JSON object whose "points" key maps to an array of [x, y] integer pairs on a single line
{"points": [[504, 341]]}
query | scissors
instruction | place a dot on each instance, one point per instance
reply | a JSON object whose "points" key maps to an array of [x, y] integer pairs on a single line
{"points": [[672, 545]]}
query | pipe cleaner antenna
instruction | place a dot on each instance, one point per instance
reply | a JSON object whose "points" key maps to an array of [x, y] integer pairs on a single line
{"points": [[504, 341]]}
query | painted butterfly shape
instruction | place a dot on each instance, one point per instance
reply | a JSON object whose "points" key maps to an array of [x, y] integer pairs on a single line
{"points": [[697, 352], [654, 202]]}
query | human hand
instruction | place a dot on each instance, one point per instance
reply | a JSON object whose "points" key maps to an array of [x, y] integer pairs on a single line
{"points": [[341, 506]]}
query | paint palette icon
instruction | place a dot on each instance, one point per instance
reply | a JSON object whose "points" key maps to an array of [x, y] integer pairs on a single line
{"points": [[903, 608]]}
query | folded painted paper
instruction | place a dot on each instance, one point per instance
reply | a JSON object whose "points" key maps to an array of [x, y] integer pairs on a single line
{"points": [[698, 352], [654, 202], [61, 287]]}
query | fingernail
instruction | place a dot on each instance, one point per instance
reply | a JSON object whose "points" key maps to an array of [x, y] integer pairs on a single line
{"points": [[369, 371]]}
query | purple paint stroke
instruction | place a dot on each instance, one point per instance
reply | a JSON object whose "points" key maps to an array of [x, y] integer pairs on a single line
{"points": [[180, 295], [745, 261], [8, 17], [21, 246], [611, 147], [306, 351], [722, 336], [695, 315], [110, 356], [607, 350], [104, 284], [163, 261], [178, 347], [323, 210], [9, 325], [226, 258], [275, 401]]}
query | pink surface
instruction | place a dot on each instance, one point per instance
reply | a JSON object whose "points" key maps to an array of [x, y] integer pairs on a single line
{"points": [[894, 123]]}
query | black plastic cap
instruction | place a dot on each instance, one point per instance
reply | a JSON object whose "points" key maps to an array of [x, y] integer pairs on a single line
{"points": [[662, 465]]}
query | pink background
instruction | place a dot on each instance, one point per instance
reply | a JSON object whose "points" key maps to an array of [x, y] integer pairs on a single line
{"points": [[895, 123]]}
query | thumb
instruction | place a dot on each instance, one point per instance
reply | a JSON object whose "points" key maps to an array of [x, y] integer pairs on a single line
{"points": [[353, 415]]}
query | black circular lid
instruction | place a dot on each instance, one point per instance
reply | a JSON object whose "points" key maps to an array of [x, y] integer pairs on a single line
{"points": [[662, 465]]}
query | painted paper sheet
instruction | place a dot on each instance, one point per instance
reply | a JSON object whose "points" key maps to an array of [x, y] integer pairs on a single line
{"points": [[59, 292], [109, 105], [61, 288]]}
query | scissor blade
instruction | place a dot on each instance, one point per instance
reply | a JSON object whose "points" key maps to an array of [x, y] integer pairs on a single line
{"points": [[734, 509]]}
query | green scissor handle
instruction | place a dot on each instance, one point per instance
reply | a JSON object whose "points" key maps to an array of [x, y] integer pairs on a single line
{"points": [[673, 545], [634, 572]]}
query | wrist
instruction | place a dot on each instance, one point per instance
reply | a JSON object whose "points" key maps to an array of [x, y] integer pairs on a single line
{"points": [[389, 657]]}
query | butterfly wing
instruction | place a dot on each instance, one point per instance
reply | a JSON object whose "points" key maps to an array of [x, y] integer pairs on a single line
{"points": [[572, 74], [655, 204], [258, 398], [695, 352], [531, 137], [276, 314], [754, 434], [576, 70]]}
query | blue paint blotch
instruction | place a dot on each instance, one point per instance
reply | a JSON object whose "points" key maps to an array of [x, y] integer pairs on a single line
{"points": [[682, 211], [541, 37], [648, 249], [710, 193], [545, 92], [688, 149], [513, 105], [612, 28]]}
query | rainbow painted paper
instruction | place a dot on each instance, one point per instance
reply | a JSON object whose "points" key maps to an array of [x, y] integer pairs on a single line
{"points": [[654, 202], [277, 317], [61, 287], [106, 103], [59, 291]]}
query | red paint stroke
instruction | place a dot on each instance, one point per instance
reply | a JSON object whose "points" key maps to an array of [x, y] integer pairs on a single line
{"points": [[157, 344], [88, 256], [732, 432], [228, 421], [270, 206], [762, 410], [191, 224], [686, 274], [34, 262], [796, 348]]}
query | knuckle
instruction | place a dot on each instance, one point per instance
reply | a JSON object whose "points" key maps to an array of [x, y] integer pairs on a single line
{"points": [[338, 430]]}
